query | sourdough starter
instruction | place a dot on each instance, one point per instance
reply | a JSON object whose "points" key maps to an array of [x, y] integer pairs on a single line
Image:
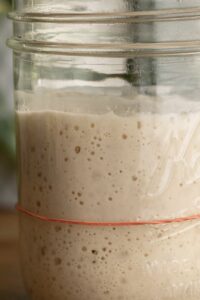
{"points": [[100, 162]]}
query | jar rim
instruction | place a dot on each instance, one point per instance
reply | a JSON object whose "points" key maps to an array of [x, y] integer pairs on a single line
{"points": [[107, 50], [107, 18]]}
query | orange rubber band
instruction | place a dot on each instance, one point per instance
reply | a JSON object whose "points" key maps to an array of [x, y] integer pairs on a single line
{"points": [[130, 223]]}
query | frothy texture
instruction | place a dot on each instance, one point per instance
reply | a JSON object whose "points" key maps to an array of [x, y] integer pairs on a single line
{"points": [[109, 164]]}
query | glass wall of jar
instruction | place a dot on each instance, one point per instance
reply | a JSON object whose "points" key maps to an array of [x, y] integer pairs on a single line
{"points": [[108, 121]]}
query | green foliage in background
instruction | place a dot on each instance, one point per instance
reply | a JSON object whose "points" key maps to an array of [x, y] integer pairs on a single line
{"points": [[5, 6], [7, 144]]}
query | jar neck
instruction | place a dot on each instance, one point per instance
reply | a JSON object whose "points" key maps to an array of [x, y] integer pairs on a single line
{"points": [[121, 29]]}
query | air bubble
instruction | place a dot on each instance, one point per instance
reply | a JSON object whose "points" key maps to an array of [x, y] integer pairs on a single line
{"points": [[134, 178], [106, 292], [124, 136], [77, 149], [57, 261], [43, 250], [58, 228]]}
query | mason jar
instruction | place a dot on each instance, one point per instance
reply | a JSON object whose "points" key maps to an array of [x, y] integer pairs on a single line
{"points": [[107, 98]]}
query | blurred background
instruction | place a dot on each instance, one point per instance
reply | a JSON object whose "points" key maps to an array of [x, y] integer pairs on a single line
{"points": [[11, 285], [7, 140]]}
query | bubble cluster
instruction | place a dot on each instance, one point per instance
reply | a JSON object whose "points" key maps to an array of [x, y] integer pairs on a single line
{"points": [[108, 168], [111, 257]]}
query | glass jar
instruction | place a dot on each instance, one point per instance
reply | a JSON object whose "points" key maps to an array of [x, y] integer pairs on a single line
{"points": [[108, 121]]}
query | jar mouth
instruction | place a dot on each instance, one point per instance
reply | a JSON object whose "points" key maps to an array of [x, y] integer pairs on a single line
{"points": [[107, 18]]}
